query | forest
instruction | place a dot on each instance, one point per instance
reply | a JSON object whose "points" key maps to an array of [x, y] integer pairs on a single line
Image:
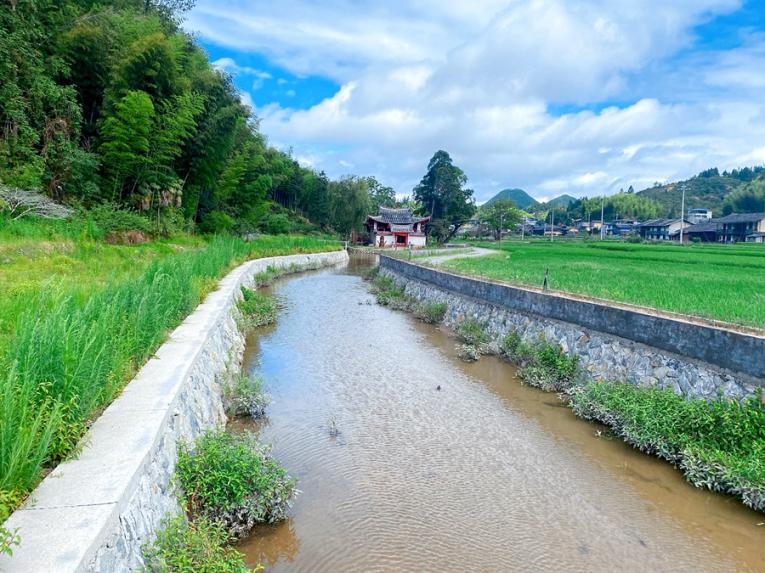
{"points": [[111, 105]]}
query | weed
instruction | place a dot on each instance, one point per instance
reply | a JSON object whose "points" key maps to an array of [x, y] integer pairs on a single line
{"points": [[232, 479], [718, 444], [192, 547], [257, 309], [432, 313], [543, 365], [474, 333], [244, 396]]}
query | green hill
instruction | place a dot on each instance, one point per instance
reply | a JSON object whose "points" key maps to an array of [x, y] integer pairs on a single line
{"points": [[521, 199], [561, 201], [708, 190]]}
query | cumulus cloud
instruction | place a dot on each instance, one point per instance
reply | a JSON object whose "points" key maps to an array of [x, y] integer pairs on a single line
{"points": [[486, 81]]}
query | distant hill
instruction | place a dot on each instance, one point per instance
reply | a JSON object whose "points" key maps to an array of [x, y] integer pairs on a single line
{"points": [[708, 189], [521, 199], [561, 201]]}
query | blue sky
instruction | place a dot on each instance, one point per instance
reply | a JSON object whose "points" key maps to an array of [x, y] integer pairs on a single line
{"points": [[552, 96]]}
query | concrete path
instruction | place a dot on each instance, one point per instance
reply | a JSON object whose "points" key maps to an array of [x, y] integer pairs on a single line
{"points": [[440, 257]]}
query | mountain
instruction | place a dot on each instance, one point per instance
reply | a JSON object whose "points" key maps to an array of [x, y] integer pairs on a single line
{"points": [[521, 199], [561, 201], [707, 190]]}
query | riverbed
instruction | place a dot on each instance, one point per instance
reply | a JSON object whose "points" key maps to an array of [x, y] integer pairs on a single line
{"points": [[439, 465]]}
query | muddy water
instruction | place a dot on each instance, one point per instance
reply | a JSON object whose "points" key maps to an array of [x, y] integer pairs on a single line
{"points": [[482, 475]]}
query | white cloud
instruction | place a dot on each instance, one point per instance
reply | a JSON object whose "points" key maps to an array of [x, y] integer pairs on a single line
{"points": [[484, 80]]}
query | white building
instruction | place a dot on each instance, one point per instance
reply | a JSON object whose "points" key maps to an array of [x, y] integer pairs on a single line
{"points": [[696, 216], [396, 228]]}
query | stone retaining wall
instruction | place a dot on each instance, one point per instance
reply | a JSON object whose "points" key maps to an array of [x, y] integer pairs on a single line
{"points": [[602, 354], [93, 513]]}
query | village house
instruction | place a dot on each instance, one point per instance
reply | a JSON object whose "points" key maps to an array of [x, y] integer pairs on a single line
{"points": [[661, 229], [696, 216], [737, 228], [701, 232], [756, 238], [396, 228]]}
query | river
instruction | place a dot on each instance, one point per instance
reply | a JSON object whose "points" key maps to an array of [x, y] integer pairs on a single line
{"points": [[484, 474]]}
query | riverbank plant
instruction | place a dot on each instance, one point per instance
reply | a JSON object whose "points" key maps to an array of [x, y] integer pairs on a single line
{"points": [[244, 396], [719, 444], [74, 333], [541, 364], [388, 293], [256, 309], [199, 546], [231, 479], [431, 312]]}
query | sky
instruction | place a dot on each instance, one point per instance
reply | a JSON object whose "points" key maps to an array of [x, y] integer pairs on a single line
{"points": [[552, 96]]}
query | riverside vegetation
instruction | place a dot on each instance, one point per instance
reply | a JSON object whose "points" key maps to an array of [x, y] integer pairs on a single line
{"points": [[389, 294], [79, 317], [717, 444]]}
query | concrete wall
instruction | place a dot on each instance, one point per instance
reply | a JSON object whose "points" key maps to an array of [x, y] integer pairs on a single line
{"points": [[93, 513], [738, 358]]}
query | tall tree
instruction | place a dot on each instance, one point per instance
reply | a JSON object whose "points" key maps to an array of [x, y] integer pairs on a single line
{"points": [[501, 215], [442, 194]]}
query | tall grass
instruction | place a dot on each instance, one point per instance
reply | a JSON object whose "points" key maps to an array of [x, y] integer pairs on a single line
{"points": [[69, 355]]}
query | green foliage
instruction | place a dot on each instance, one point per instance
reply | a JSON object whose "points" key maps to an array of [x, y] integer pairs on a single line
{"points": [[442, 195], [200, 546], [500, 215], [350, 204], [543, 364], [622, 205], [8, 539], [432, 312], [389, 294], [719, 444], [695, 280], [67, 349], [217, 222], [473, 333], [231, 479], [109, 219], [748, 198], [257, 309], [244, 396]]}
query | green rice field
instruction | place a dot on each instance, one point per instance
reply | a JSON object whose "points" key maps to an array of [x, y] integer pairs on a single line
{"points": [[717, 282]]}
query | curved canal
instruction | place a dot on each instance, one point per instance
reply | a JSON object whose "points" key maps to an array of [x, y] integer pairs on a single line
{"points": [[482, 475]]}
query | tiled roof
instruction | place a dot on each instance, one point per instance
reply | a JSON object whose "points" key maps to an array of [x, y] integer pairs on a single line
{"points": [[707, 227], [741, 218], [659, 222], [397, 216]]}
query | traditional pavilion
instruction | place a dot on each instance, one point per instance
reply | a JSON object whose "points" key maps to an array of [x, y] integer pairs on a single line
{"points": [[396, 228]]}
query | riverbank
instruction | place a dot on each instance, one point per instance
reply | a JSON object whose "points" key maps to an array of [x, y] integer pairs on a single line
{"points": [[56, 497], [485, 473], [717, 444]]}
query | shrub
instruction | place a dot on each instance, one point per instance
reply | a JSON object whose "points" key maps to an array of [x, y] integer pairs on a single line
{"points": [[389, 294], [432, 312], [474, 333], [276, 224], [110, 219], [719, 445], [543, 365], [232, 479], [217, 222], [257, 309], [7, 538], [244, 396], [197, 547]]}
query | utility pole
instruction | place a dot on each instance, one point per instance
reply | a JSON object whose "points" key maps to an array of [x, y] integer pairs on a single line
{"points": [[602, 221], [682, 215], [552, 224]]}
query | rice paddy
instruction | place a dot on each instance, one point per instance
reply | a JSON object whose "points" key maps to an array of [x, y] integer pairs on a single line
{"points": [[717, 282]]}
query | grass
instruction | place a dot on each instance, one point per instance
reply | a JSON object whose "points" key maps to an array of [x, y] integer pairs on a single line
{"points": [[231, 479], [719, 445], [257, 309], [718, 282], [200, 546], [80, 317]]}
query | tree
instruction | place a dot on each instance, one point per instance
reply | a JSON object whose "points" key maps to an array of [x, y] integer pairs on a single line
{"points": [[126, 137], [380, 195], [442, 194], [350, 204], [500, 215]]}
